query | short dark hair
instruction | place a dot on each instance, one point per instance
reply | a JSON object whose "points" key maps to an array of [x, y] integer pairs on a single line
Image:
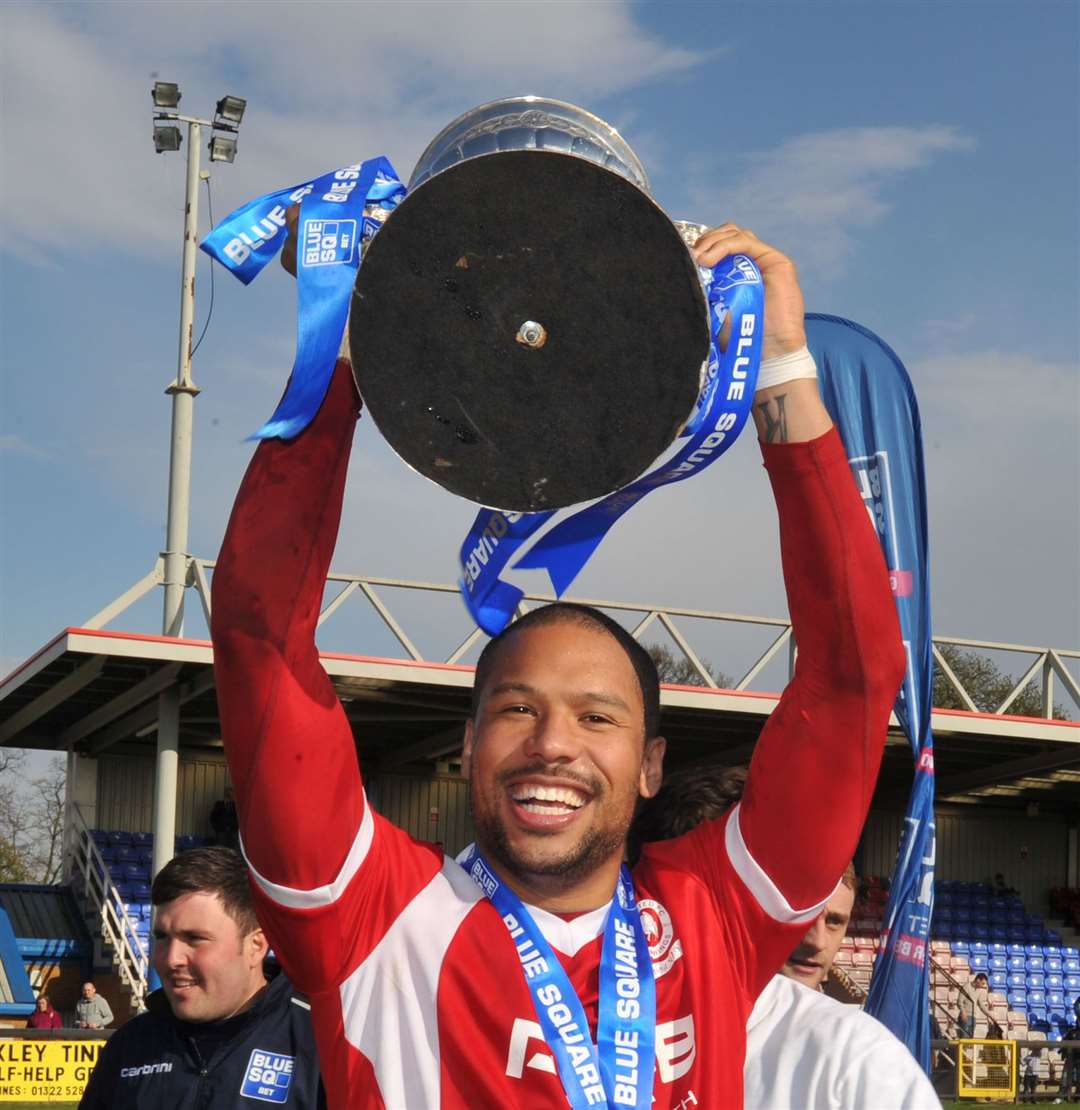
{"points": [[216, 870], [688, 796], [572, 613]]}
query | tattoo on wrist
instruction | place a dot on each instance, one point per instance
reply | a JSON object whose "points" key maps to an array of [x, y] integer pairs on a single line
{"points": [[772, 419]]}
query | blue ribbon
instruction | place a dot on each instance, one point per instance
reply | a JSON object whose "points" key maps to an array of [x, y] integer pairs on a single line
{"points": [[338, 211], [734, 288], [618, 1069]]}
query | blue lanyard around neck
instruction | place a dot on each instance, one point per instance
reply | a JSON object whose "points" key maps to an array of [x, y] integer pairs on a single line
{"points": [[618, 1069]]}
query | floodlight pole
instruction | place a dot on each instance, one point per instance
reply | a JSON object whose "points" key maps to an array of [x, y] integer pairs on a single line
{"points": [[183, 392]]}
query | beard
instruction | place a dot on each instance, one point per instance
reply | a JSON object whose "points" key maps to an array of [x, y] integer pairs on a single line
{"points": [[604, 837]]}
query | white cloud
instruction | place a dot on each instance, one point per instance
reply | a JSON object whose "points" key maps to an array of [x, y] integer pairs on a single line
{"points": [[16, 445], [816, 192], [326, 84]]}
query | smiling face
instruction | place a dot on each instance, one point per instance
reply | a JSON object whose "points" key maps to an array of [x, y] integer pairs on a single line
{"points": [[809, 964], [557, 758], [208, 968]]}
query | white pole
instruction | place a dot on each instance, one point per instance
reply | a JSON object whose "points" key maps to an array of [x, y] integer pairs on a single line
{"points": [[183, 394]]}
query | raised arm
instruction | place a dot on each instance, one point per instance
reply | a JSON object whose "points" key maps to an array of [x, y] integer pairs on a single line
{"points": [[816, 763], [292, 758]]}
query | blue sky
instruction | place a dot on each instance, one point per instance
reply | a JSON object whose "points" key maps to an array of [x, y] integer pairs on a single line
{"points": [[919, 161]]}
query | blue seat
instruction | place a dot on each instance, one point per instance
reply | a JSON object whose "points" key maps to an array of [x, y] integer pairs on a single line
{"points": [[998, 932], [1052, 964], [1036, 982], [1017, 999], [999, 981], [1035, 963], [978, 962], [1055, 1000], [143, 838], [1070, 953], [1038, 1018], [1036, 998], [1016, 980], [1051, 938], [1072, 982], [116, 837], [140, 892], [979, 947], [998, 963], [1015, 949], [1017, 963], [1054, 982]]}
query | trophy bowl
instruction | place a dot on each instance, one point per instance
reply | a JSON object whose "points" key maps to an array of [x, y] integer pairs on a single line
{"points": [[528, 329]]}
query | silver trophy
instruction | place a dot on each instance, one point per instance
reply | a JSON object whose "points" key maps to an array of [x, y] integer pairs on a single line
{"points": [[528, 328]]}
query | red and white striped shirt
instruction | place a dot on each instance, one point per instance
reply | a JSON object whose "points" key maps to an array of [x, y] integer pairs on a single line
{"points": [[417, 993]]}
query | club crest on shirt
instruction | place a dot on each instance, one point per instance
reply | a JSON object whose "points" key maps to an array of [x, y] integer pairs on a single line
{"points": [[267, 1076], [664, 949]]}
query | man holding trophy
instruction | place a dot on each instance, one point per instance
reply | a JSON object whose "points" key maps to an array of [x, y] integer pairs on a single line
{"points": [[540, 971]]}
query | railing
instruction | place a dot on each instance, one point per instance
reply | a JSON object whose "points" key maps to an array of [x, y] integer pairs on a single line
{"points": [[991, 1021], [117, 929], [1048, 666]]}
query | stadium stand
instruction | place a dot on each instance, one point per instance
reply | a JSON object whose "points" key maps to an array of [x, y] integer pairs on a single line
{"points": [[1033, 972], [111, 880]]}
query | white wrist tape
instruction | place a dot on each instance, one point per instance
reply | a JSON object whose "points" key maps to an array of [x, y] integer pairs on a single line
{"points": [[786, 368]]}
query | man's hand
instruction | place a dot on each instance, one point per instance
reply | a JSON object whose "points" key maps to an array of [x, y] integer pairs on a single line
{"points": [[288, 251], [784, 331], [790, 412]]}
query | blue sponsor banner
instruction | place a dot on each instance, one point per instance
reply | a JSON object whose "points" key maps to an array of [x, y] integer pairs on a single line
{"points": [[869, 396]]}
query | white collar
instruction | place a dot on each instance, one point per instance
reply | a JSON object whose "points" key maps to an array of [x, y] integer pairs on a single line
{"points": [[567, 937]]}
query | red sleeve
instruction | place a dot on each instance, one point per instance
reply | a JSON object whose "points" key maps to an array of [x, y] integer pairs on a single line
{"points": [[306, 830], [816, 762], [774, 860]]}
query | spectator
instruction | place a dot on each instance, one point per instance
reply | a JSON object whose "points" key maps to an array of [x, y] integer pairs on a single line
{"points": [[44, 1016], [224, 822], [1001, 888], [92, 1011], [1031, 1072], [216, 1034], [803, 1049]]}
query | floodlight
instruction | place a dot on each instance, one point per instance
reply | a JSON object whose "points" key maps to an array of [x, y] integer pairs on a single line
{"points": [[230, 110], [222, 148], [166, 94], [166, 138]]}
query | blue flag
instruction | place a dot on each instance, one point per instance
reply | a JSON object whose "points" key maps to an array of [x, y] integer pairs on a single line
{"points": [[869, 396]]}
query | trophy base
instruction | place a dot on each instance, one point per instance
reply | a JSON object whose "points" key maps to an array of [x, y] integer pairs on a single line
{"points": [[528, 330]]}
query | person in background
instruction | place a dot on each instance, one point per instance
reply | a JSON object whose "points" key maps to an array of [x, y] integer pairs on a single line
{"points": [[1031, 1073], [224, 822], [44, 1016], [803, 1049], [92, 1011], [217, 1035]]}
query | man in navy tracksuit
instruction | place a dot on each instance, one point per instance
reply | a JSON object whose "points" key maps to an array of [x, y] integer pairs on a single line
{"points": [[218, 1034]]}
